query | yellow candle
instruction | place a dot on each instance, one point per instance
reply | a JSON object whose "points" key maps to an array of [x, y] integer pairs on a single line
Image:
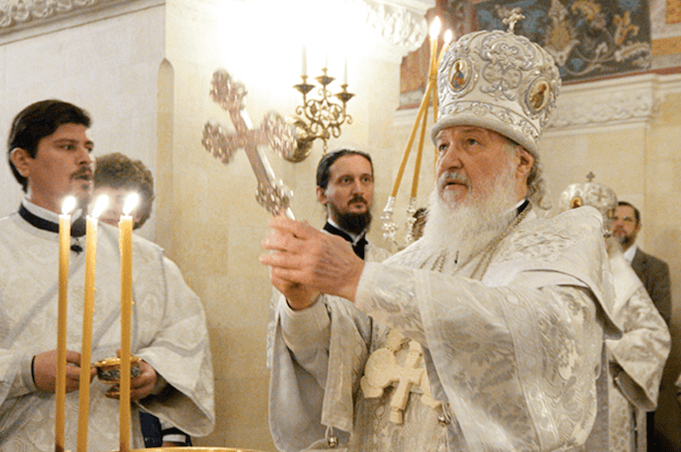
{"points": [[86, 350], [125, 243], [423, 108], [125, 225], [433, 33], [88, 310], [419, 153], [448, 39], [60, 389]]}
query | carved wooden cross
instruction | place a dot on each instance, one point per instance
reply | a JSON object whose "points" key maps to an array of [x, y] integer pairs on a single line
{"points": [[273, 132], [382, 371]]}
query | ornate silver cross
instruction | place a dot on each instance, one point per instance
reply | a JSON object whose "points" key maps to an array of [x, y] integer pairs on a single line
{"points": [[382, 370], [274, 132]]}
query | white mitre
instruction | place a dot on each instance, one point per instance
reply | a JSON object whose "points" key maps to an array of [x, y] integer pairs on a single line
{"points": [[499, 81], [591, 194]]}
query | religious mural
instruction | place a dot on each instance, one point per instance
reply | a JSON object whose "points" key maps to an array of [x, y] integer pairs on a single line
{"points": [[587, 38]]}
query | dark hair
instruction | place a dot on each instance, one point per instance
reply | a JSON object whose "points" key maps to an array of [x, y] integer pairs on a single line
{"points": [[116, 170], [37, 121], [324, 165], [637, 214]]}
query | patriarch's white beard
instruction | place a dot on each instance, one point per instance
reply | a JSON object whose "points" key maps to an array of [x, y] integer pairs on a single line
{"points": [[465, 230]]}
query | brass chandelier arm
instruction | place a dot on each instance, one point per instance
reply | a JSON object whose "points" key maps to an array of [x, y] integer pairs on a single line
{"points": [[320, 118]]}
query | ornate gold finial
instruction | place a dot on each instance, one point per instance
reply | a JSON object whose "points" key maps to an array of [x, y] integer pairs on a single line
{"points": [[513, 18], [576, 202], [590, 177]]}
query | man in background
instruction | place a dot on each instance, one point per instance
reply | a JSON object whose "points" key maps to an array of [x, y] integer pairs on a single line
{"points": [[345, 187], [636, 360], [117, 176], [653, 273]]}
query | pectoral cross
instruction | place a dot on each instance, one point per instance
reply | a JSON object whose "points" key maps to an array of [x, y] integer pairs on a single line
{"points": [[274, 132], [382, 370]]}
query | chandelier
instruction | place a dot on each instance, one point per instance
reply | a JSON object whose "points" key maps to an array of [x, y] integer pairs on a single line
{"points": [[319, 118]]}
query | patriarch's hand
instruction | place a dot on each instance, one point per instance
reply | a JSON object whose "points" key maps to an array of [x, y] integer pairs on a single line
{"points": [[308, 262]]}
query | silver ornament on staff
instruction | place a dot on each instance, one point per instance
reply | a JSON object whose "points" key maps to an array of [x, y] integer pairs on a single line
{"points": [[274, 132]]}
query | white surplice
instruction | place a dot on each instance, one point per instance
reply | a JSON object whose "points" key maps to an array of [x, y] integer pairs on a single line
{"points": [[636, 360], [512, 342], [168, 331]]}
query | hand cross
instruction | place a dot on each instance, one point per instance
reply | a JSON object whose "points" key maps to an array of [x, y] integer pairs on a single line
{"points": [[274, 132]]}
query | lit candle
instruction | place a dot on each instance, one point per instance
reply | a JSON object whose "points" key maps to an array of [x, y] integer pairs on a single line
{"points": [[88, 310], [447, 41], [434, 32], [304, 68], [345, 70], [449, 36], [125, 243], [64, 249]]}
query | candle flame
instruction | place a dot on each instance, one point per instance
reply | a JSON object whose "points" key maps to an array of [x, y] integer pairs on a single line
{"points": [[68, 205], [435, 28], [130, 203], [449, 35], [100, 206]]}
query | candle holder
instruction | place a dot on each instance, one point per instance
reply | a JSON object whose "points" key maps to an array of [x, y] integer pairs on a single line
{"points": [[319, 118], [389, 227], [109, 369]]}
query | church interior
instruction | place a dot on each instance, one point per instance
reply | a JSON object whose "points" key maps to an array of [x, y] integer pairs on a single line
{"points": [[143, 70]]}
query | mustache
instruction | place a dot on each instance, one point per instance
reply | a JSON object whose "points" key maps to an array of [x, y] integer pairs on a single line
{"points": [[357, 198], [449, 177], [83, 173]]}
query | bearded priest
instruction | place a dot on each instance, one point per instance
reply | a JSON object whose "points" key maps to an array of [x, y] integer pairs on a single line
{"points": [[485, 334]]}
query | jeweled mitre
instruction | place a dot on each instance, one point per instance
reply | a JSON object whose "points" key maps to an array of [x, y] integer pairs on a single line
{"points": [[499, 81], [589, 194]]}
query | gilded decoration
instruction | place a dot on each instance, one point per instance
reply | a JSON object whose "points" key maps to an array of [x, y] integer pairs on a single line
{"points": [[667, 46], [673, 15], [460, 76]]}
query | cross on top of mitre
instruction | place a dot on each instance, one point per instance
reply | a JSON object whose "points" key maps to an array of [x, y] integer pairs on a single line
{"points": [[513, 18], [273, 132]]}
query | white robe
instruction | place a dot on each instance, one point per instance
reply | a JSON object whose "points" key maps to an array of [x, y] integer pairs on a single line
{"points": [[168, 331], [636, 360], [513, 357]]}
